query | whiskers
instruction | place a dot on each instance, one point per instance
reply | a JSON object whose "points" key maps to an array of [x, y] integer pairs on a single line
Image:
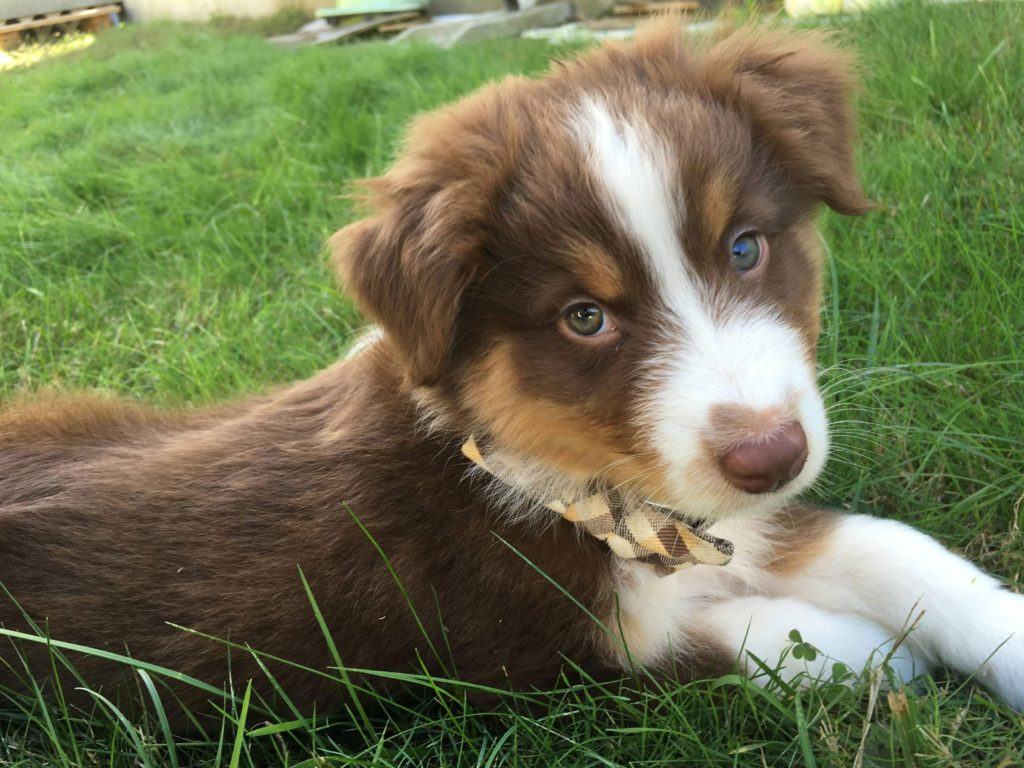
{"points": [[857, 400]]}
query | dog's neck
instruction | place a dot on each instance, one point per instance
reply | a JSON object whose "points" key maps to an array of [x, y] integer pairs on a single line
{"points": [[517, 484], [639, 531], [527, 489], [522, 486]]}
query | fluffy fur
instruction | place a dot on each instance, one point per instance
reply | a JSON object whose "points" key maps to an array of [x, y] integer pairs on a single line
{"points": [[620, 179]]}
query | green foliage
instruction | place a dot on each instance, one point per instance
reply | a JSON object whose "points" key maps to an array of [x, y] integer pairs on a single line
{"points": [[165, 194], [164, 197]]}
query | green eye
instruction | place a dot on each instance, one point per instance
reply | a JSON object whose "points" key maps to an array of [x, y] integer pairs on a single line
{"points": [[585, 319], [747, 251]]}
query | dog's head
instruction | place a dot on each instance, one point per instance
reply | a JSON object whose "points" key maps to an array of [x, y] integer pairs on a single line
{"points": [[613, 272]]}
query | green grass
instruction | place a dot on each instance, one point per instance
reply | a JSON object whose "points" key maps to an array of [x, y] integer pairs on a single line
{"points": [[164, 197]]}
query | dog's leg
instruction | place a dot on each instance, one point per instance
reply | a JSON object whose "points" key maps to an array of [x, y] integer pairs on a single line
{"points": [[887, 573], [757, 630]]}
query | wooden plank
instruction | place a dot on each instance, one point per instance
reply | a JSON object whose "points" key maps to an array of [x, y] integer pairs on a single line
{"points": [[94, 24], [398, 26], [336, 34], [370, 25], [53, 19]]}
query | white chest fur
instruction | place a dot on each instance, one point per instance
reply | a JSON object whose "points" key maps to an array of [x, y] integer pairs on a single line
{"points": [[659, 615]]}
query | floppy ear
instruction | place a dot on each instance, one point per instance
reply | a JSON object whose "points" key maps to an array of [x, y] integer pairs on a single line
{"points": [[408, 266], [798, 88], [406, 269]]}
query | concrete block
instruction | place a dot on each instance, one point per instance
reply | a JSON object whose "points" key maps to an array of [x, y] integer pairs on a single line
{"points": [[14, 9], [512, 24], [592, 9], [440, 30]]}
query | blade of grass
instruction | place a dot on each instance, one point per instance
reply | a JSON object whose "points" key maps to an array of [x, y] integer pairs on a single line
{"points": [[115, 657], [129, 730], [236, 750], [158, 706], [364, 721]]}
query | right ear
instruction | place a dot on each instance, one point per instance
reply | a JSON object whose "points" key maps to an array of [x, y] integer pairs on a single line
{"points": [[798, 87], [408, 266]]}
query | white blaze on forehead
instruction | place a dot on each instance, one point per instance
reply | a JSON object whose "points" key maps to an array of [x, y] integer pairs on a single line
{"points": [[634, 167], [712, 352]]}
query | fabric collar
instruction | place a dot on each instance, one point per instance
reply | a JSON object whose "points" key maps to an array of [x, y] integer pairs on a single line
{"points": [[647, 533]]}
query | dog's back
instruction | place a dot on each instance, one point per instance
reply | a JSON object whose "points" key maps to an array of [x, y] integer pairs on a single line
{"points": [[115, 520], [116, 523]]}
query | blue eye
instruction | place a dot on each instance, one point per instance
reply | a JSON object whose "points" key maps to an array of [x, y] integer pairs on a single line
{"points": [[747, 251]]}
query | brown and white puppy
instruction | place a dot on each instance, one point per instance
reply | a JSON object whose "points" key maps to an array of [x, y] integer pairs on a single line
{"points": [[612, 274]]}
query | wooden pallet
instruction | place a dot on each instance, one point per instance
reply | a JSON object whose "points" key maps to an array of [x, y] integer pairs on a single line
{"points": [[88, 19], [651, 7], [394, 25]]}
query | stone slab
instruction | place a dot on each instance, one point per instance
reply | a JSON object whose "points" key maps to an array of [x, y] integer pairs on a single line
{"points": [[511, 24], [440, 30], [320, 32], [447, 31], [450, 7], [592, 9]]}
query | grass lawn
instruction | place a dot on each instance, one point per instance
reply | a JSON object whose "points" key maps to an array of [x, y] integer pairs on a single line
{"points": [[164, 197]]}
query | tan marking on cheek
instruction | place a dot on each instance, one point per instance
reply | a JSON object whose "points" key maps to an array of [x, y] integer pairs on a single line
{"points": [[718, 205], [643, 476], [558, 434], [800, 536], [598, 272], [704, 477]]}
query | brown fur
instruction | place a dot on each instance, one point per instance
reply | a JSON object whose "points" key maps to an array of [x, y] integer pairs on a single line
{"points": [[115, 520], [800, 535], [600, 273], [207, 527]]}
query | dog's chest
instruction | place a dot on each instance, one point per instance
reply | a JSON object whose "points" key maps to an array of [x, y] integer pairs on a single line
{"points": [[659, 614]]}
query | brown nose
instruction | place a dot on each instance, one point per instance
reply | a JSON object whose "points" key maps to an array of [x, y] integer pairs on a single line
{"points": [[759, 466]]}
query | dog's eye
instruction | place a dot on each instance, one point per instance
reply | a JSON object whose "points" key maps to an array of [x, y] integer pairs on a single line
{"points": [[585, 319], [748, 250]]}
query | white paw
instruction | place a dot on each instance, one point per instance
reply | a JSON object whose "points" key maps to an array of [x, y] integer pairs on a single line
{"points": [[864, 647], [997, 637], [903, 663], [762, 628]]}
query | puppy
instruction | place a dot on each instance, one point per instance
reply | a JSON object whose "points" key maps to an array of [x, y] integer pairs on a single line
{"points": [[594, 290]]}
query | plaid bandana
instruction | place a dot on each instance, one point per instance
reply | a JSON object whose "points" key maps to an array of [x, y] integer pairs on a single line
{"points": [[647, 533]]}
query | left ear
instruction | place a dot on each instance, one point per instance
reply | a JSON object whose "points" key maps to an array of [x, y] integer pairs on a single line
{"points": [[408, 265], [798, 89]]}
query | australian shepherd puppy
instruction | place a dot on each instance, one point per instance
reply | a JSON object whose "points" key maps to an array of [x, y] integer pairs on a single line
{"points": [[606, 280]]}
